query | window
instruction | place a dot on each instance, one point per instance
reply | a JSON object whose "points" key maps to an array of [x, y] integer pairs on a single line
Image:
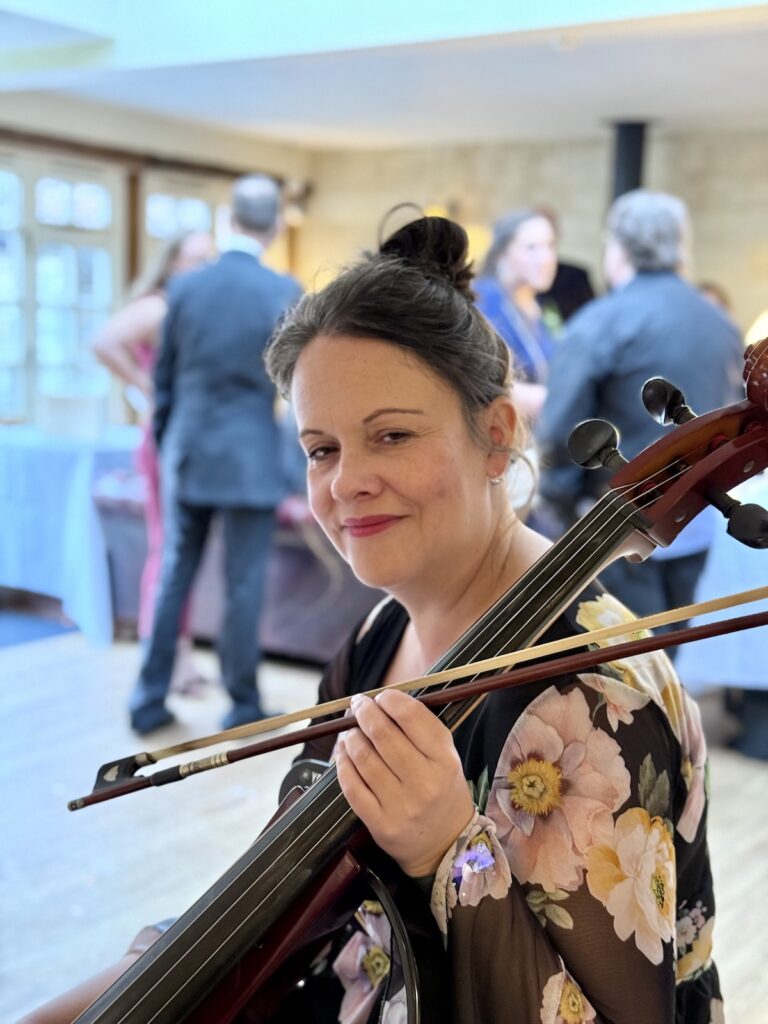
{"points": [[59, 270]]}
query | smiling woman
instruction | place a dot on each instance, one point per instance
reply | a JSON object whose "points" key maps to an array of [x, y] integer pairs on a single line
{"points": [[556, 831]]}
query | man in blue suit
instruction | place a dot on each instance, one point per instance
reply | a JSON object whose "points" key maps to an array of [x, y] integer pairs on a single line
{"points": [[219, 448]]}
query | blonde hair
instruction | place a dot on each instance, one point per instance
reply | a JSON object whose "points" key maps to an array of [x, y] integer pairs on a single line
{"points": [[160, 270]]}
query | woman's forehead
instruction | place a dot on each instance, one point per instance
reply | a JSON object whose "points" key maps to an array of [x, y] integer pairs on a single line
{"points": [[354, 375]]}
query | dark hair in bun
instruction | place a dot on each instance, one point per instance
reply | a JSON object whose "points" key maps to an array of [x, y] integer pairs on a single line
{"points": [[414, 293], [436, 244]]}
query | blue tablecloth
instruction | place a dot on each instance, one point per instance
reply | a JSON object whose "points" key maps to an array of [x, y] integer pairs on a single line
{"points": [[51, 539], [737, 659]]}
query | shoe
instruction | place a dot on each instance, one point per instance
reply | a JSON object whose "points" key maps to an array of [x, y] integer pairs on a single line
{"points": [[239, 715], [146, 720]]}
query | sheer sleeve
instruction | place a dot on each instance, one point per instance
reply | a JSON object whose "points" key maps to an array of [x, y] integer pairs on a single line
{"points": [[558, 903]]}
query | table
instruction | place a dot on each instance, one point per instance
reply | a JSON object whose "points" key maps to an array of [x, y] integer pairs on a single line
{"points": [[51, 537]]}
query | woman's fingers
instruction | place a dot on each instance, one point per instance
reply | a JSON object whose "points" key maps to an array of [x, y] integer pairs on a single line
{"points": [[420, 725], [392, 744]]}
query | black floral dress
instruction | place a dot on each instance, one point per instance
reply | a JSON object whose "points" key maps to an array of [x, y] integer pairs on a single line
{"points": [[581, 891]]}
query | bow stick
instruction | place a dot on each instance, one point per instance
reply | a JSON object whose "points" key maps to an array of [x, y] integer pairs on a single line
{"points": [[117, 778]]}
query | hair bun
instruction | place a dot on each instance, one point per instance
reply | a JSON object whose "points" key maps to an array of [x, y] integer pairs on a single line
{"points": [[437, 244]]}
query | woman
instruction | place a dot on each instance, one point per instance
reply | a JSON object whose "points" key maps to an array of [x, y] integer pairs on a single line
{"points": [[559, 832], [127, 345], [520, 264]]}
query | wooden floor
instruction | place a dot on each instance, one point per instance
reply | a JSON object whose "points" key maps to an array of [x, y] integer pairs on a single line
{"points": [[77, 886]]}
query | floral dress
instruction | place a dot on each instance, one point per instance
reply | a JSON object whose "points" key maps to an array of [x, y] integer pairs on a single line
{"points": [[581, 890]]}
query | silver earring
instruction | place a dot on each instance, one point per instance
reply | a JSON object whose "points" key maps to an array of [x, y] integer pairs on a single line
{"points": [[494, 481]]}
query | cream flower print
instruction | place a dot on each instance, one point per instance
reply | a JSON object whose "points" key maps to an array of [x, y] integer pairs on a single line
{"points": [[474, 867], [633, 876], [619, 699], [563, 1002], [652, 673], [558, 782]]}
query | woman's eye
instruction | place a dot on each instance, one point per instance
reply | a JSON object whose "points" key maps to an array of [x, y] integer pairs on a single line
{"points": [[320, 453], [394, 436]]}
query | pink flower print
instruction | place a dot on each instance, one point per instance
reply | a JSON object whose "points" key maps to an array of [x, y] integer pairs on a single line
{"points": [[558, 782], [363, 964], [633, 876], [620, 700], [563, 1002], [474, 867]]}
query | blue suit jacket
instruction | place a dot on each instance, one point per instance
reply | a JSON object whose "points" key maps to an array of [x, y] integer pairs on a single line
{"points": [[214, 414]]}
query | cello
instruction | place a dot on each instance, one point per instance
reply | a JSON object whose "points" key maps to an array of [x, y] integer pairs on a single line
{"points": [[240, 942]]}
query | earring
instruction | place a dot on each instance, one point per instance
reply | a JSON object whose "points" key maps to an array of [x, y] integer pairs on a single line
{"points": [[494, 481]]}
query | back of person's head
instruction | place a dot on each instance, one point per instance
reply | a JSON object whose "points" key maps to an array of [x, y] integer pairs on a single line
{"points": [[651, 227], [256, 204], [414, 293], [505, 230]]}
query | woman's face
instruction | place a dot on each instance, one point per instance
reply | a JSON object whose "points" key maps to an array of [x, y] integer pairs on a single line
{"points": [[394, 477], [530, 258], [196, 249]]}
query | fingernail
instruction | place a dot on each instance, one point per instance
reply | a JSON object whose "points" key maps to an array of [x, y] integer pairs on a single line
{"points": [[356, 698]]}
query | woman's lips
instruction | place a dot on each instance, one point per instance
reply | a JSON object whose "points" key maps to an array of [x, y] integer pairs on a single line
{"points": [[366, 526]]}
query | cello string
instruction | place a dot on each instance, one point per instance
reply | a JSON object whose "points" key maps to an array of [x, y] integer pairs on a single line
{"points": [[615, 513]]}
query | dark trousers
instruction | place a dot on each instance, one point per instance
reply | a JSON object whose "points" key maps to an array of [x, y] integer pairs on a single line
{"points": [[247, 541], [655, 585]]}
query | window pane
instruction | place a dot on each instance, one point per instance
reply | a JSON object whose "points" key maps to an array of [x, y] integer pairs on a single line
{"points": [[161, 221], [56, 340], [11, 266], [11, 336], [11, 201], [13, 395], [53, 201], [193, 215], [56, 274], [87, 325], [94, 278], [91, 206]]}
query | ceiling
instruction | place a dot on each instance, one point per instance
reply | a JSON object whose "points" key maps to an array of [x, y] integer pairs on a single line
{"points": [[691, 69]]}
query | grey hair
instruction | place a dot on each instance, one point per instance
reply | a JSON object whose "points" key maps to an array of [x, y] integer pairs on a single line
{"points": [[504, 231], [256, 203], [651, 227]]}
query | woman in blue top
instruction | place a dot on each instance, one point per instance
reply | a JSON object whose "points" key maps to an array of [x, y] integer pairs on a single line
{"points": [[520, 264]]}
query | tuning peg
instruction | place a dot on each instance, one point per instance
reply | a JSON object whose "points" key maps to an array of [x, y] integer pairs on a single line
{"points": [[595, 443], [665, 402], [749, 524]]}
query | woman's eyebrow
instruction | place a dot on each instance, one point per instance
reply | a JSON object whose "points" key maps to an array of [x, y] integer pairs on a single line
{"points": [[382, 412], [370, 417]]}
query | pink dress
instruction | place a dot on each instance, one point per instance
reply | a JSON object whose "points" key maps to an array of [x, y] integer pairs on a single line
{"points": [[148, 465]]}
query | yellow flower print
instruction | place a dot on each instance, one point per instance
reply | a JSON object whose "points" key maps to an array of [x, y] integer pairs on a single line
{"points": [[634, 878], [563, 1002], [698, 956]]}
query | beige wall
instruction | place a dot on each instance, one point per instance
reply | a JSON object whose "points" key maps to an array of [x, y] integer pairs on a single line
{"points": [[129, 129], [722, 177]]}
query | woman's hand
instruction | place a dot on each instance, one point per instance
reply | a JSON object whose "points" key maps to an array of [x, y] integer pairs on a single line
{"points": [[401, 774]]}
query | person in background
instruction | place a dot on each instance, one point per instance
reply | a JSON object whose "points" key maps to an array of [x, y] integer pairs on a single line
{"points": [[571, 288], [214, 424], [520, 264], [127, 345], [651, 324]]}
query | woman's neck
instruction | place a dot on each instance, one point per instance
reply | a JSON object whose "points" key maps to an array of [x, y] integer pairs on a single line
{"points": [[439, 615], [524, 297]]}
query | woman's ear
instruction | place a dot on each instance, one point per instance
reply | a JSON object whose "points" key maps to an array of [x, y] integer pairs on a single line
{"points": [[501, 426]]}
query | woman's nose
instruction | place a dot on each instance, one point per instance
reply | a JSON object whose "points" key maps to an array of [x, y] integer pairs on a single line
{"points": [[354, 476]]}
